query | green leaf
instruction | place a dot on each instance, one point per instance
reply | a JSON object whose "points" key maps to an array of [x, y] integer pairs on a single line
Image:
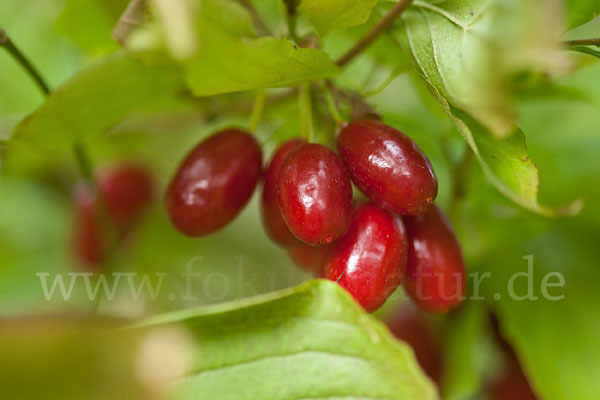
{"points": [[89, 23], [223, 54], [90, 103], [581, 11], [242, 64], [472, 51], [442, 41], [314, 337], [586, 50], [336, 14]]}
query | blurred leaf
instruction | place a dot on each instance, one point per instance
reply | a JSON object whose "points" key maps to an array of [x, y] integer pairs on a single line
{"points": [[336, 14], [314, 333], [68, 358], [227, 57], [89, 23], [471, 51], [89, 104], [581, 11], [469, 353], [586, 50]]}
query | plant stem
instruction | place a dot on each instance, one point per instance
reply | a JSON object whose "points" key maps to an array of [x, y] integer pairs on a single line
{"points": [[291, 18], [23, 61], [305, 103], [259, 105], [83, 162], [134, 15], [260, 24], [380, 27], [460, 172], [333, 110], [583, 42]]}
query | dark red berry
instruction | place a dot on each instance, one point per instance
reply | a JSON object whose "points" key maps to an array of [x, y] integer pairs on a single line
{"points": [[89, 241], [214, 182], [370, 259], [435, 272], [410, 327], [310, 258], [272, 220], [315, 195], [127, 191], [388, 167]]}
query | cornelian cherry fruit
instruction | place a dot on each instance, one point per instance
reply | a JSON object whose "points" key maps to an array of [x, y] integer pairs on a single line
{"points": [[408, 325], [88, 243], [272, 220], [214, 182], [127, 190], [315, 196], [310, 258], [388, 167], [369, 261], [435, 272]]}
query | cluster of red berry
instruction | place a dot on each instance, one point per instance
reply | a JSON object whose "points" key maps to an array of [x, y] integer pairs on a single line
{"points": [[307, 207]]}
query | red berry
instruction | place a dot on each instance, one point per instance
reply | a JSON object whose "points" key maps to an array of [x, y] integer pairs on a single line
{"points": [[370, 259], [214, 182], [88, 242], [127, 191], [315, 195], [388, 167], [271, 214], [310, 258], [435, 272], [410, 327]]}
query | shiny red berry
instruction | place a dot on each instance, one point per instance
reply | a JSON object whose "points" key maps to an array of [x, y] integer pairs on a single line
{"points": [[214, 182], [388, 167], [272, 220], [127, 191], [310, 258], [435, 272], [370, 259], [315, 196]]}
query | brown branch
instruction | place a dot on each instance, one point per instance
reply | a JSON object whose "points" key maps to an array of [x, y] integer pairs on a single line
{"points": [[135, 13], [23, 61], [583, 42], [380, 27], [260, 24]]}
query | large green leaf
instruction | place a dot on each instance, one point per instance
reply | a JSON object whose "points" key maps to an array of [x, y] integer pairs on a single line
{"points": [[470, 51], [450, 55], [90, 103], [315, 338], [581, 11], [336, 14]]}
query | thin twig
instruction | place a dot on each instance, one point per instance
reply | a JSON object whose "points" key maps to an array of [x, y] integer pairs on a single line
{"points": [[306, 119], [259, 22], [21, 59], [582, 42], [259, 105], [135, 13], [381, 26]]}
